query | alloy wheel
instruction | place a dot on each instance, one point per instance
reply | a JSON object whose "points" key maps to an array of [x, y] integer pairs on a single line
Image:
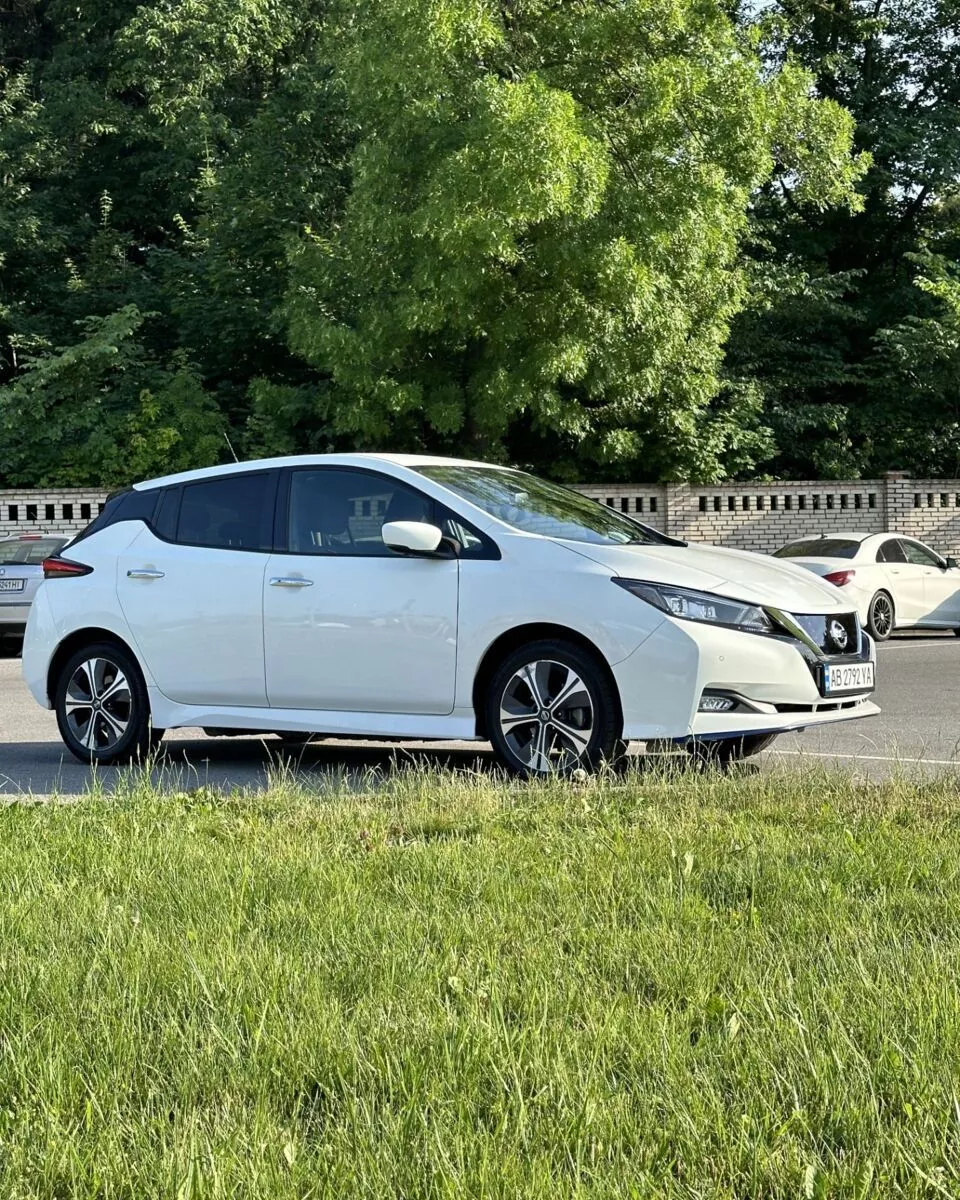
{"points": [[98, 704], [546, 716], [882, 616]]}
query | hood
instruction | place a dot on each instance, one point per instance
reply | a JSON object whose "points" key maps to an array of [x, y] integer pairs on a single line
{"points": [[738, 574]]}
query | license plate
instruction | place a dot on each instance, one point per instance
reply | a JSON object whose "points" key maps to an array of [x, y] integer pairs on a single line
{"points": [[11, 585], [848, 677]]}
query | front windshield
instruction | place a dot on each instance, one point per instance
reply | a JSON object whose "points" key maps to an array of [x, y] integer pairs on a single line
{"points": [[533, 505]]}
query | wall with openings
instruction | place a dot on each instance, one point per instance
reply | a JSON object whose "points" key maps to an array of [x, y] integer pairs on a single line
{"points": [[750, 516]]}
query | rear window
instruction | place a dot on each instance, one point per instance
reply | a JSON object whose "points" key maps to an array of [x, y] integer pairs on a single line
{"points": [[819, 548], [31, 552]]}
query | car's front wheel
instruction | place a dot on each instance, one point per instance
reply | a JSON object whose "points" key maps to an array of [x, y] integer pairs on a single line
{"points": [[551, 708], [880, 617], [102, 706]]}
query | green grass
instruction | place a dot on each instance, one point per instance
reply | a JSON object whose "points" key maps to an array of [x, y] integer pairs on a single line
{"points": [[699, 986]]}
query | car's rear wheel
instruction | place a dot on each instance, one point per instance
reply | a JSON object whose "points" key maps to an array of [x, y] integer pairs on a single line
{"points": [[880, 617], [551, 708], [102, 706]]}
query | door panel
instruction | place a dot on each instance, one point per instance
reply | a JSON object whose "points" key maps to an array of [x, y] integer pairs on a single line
{"points": [[946, 610], [349, 624], [940, 585], [901, 580], [361, 634], [196, 615]]}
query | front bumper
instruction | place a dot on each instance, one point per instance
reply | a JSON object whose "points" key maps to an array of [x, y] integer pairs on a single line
{"points": [[776, 678]]}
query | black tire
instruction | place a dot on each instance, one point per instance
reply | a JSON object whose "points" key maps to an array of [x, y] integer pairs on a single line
{"points": [[582, 735], [724, 751], [121, 729], [881, 617]]}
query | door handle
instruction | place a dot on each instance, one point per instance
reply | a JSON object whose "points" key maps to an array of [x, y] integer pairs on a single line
{"points": [[144, 573], [296, 581]]}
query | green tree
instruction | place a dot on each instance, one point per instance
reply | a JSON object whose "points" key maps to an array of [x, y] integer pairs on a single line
{"points": [[834, 289], [157, 159], [537, 255], [104, 411]]}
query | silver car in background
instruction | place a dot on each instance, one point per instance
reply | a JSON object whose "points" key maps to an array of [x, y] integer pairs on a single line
{"points": [[21, 574]]}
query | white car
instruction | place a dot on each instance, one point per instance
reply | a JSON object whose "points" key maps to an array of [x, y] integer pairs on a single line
{"points": [[894, 582], [394, 596]]}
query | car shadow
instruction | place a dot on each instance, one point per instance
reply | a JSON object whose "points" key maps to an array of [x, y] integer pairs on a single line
{"points": [[45, 769]]}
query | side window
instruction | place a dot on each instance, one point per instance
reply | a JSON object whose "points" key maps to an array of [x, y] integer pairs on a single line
{"points": [[891, 552], [334, 511], [230, 512], [919, 555], [472, 543]]}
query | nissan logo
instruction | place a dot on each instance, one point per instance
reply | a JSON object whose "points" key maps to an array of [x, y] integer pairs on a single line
{"points": [[838, 635]]}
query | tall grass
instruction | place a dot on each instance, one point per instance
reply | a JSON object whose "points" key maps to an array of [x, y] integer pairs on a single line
{"points": [[689, 986]]}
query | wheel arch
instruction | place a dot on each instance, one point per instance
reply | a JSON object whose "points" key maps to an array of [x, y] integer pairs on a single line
{"points": [[76, 641], [520, 635]]}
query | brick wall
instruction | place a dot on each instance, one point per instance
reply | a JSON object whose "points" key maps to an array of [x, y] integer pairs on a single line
{"points": [[63, 510], [752, 516], [756, 516]]}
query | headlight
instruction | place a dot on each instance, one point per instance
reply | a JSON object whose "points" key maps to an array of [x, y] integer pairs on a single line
{"points": [[701, 606]]}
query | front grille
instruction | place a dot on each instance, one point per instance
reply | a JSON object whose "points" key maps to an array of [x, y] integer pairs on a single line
{"points": [[830, 706], [834, 635]]}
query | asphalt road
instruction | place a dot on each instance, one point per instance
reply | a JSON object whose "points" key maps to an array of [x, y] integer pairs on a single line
{"points": [[918, 690]]}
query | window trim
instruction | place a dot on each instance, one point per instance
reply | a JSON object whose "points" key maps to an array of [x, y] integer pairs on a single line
{"points": [[490, 551]]}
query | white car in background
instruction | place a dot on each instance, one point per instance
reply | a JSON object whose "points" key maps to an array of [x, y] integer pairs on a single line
{"points": [[394, 596], [895, 582]]}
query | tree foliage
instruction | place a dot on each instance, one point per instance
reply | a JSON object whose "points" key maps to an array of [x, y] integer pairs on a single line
{"points": [[512, 228], [839, 309]]}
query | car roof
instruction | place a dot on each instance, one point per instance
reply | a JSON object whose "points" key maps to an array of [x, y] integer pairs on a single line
{"points": [[412, 461]]}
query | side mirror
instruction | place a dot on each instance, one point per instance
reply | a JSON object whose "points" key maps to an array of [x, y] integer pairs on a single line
{"points": [[411, 537], [951, 563]]}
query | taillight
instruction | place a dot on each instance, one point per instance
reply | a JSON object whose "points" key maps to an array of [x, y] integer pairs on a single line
{"points": [[839, 578], [63, 568]]}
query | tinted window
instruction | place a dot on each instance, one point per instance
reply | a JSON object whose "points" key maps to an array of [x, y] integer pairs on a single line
{"points": [[919, 555], [31, 552], [533, 505], [342, 512], [819, 548], [891, 552], [230, 512], [168, 511]]}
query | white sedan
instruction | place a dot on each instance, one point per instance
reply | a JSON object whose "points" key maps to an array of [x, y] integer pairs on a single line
{"points": [[895, 582], [393, 596]]}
